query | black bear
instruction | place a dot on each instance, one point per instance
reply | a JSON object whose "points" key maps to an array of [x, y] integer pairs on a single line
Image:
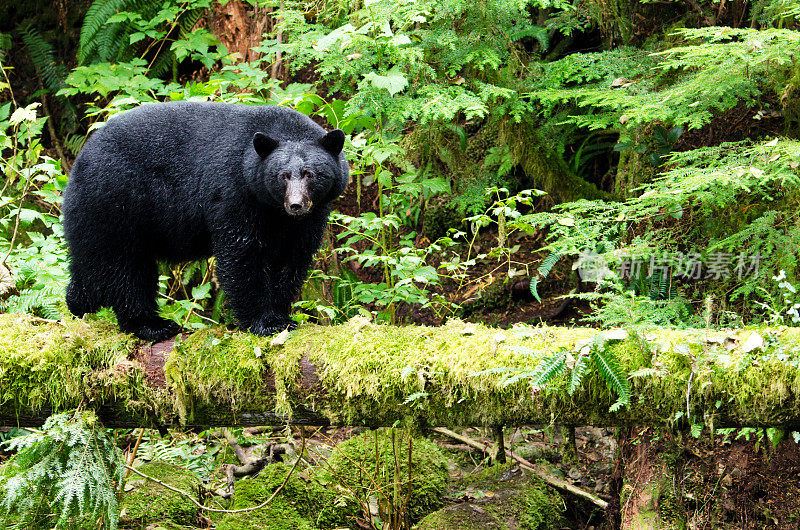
{"points": [[250, 185]]}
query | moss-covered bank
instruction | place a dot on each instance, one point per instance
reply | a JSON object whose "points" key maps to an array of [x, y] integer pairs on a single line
{"points": [[506, 498], [146, 502], [303, 503], [360, 372]]}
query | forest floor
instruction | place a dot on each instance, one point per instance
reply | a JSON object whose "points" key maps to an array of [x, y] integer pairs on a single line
{"points": [[708, 483], [724, 482]]}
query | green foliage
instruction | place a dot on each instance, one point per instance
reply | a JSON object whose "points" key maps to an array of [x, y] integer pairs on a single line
{"points": [[375, 465], [681, 86], [407, 278], [550, 369], [689, 209], [70, 470], [146, 502], [50, 70], [31, 238], [315, 501], [113, 30], [182, 453]]}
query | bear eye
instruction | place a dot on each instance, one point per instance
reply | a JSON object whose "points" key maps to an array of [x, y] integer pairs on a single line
{"points": [[307, 174], [286, 175]]}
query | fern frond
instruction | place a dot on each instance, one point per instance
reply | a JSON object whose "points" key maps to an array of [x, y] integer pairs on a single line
{"points": [[70, 469], [51, 71], [545, 267], [548, 369], [548, 263], [95, 20], [580, 369], [613, 375]]}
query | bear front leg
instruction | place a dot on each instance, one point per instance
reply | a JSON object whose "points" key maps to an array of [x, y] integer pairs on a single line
{"points": [[248, 281]]}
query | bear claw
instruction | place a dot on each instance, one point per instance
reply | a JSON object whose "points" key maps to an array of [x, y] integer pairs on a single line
{"points": [[272, 329], [156, 332]]}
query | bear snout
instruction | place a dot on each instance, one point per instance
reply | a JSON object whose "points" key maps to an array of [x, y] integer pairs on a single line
{"points": [[296, 201]]}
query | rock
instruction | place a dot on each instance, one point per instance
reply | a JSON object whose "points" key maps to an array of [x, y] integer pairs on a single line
{"points": [[301, 505], [753, 342], [429, 477]]}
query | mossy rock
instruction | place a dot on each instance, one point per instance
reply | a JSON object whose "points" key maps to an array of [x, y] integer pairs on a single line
{"points": [[277, 515], [300, 505], [163, 525], [149, 502], [428, 468], [439, 217], [505, 498]]}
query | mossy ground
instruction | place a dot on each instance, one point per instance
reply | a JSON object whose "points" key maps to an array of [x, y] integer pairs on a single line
{"points": [[146, 502], [508, 500], [303, 503], [372, 469]]}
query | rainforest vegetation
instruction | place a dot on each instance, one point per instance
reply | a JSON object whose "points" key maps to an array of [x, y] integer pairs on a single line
{"points": [[573, 212]]}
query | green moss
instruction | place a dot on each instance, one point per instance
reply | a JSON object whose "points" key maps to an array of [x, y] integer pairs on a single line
{"points": [[303, 503], [516, 501], [59, 365], [368, 371], [231, 369], [536, 505], [280, 514], [148, 501], [160, 525], [354, 462]]}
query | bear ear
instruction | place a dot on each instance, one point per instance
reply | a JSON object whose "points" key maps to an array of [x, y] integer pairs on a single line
{"points": [[333, 142], [263, 144]]}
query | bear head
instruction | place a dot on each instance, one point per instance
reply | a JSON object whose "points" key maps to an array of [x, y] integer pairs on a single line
{"points": [[298, 175]]}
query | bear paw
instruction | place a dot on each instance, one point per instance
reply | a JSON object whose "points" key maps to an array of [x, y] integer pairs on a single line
{"points": [[271, 327], [157, 331]]}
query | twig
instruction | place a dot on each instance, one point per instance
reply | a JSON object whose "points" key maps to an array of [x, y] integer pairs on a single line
{"points": [[220, 510], [549, 479], [278, 55], [131, 458]]}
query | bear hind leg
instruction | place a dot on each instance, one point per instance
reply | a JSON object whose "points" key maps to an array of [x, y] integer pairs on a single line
{"points": [[80, 300], [133, 298]]}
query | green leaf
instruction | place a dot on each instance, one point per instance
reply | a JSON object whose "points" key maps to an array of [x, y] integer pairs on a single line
{"points": [[581, 368], [548, 369], [697, 430], [394, 81], [612, 374], [201, 291]]}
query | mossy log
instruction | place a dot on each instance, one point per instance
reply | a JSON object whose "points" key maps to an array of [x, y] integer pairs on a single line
{"points": [[360, 373]]}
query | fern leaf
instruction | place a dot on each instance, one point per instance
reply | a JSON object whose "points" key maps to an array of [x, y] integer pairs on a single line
{"points": [[613, 375], [548, 369], [51, 71], [545, 267], [71, 469], [93, 22], [548, 263], [578, 371]]}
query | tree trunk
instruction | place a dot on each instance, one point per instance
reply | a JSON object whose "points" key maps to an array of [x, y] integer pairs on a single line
{"points": [[359, 373]]}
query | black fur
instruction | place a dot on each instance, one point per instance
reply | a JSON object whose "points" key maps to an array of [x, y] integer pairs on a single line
{"points": [[182, 181]]}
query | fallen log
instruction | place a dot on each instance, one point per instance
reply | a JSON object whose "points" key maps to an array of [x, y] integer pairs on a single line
{"points": [[359, 373]]}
